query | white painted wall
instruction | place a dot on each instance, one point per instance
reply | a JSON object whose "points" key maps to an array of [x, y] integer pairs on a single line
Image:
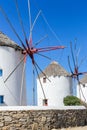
{"points": [[9, 58], [82, 92], [55, 91]]}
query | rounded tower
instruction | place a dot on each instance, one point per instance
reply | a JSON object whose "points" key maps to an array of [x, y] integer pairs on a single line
{"points": [[82, 89], [56, 88], [12, 74]]}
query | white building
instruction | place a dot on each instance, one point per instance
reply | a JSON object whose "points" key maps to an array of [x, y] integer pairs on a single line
{"points": [[82, 89], [12, 87], [52, 93]]}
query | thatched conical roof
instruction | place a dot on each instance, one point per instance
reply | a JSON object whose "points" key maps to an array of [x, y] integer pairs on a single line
{"points": [[5, 41], [84, 79], [54, 69]]}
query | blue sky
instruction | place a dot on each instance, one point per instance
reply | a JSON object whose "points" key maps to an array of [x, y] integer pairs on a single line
{"points": [[67, 18]]}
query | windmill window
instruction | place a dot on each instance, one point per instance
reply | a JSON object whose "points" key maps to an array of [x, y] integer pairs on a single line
{"points": [[1, 72], [1, 99], [44, 79], [45, 102]]}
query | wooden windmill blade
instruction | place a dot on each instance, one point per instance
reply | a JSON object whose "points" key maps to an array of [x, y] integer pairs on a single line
{"points": [[70, 65], [33, 85], [10, 24], [39, 41], [40, 82], [73, 71], [22, 27], [73, 58], [20, 20], [16, 67]]}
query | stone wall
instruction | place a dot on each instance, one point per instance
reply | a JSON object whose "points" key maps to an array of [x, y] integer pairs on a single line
{"points": [[41, 119]]}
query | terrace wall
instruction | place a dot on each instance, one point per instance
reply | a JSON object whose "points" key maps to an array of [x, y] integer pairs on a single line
{"points": [[41, 119]]}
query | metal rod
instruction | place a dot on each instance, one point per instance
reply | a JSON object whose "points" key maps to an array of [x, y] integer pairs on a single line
{"points": [[33, 86], [42, 71], [30, 21], [72, 55], [40, 41], [35, 20], [40, 82], [43, 56], [22, 81], [70, 65], [14, 69], [10, 24], [20, 19]]}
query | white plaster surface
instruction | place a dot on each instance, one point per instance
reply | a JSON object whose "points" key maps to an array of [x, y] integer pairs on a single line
{"points": [[11, 89], [18, 108], [55, 91]]}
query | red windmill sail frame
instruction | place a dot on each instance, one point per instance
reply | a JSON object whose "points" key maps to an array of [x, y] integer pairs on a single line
{"points": [[31, 51]]}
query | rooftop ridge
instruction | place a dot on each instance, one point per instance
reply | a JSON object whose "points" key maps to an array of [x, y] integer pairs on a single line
{"points": [[54, 69], [6, 41]]}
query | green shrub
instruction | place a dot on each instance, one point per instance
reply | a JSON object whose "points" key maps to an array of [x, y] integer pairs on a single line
{"points": [[71, 101]]}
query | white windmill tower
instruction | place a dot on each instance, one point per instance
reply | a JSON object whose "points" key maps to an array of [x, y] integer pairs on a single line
{"points": [[59, 87], [12, 81], [82, 91]]}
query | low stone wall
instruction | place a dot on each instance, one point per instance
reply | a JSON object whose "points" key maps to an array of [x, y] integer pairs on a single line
{"points": [[37, 119]]}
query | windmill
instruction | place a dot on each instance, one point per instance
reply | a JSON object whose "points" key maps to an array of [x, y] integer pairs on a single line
{"points": [[29, 49], [75, 73]]}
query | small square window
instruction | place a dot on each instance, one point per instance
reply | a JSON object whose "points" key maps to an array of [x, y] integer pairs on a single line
{"points": [[1, 99], [44, 79], [1, 72], [45, 102]]}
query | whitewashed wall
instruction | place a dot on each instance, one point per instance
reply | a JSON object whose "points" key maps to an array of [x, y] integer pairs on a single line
{"points": [[55, 91], [9, 58], [82, 92]]}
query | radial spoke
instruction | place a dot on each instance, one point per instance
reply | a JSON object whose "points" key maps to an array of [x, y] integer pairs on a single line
{"points": [[72, 55], [75, 43], [20, 19], [10, 24], [40, 82], [84, 59], [40, 40], [35, 20], [50, 28], [27, 45], [77, 57], [44, 56], [25, 49], [22, 81], [11, 92], [14, 69], [33, 86], [41, 71], [75, 46], [45, 49], [70, 65], [30, 22]]}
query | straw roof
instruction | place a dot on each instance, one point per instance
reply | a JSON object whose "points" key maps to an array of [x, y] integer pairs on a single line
{"points": [[5, 41], [54, 69], [84, 79]]}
